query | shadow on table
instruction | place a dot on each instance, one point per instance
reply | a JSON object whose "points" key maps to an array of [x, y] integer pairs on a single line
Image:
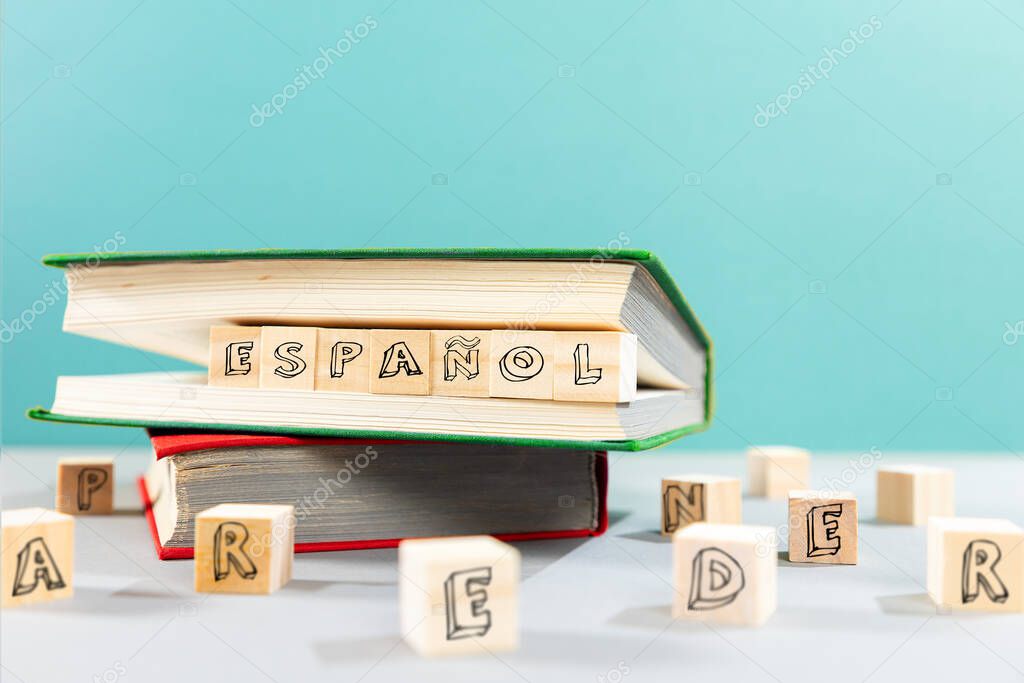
{"points": [[908, 603]]}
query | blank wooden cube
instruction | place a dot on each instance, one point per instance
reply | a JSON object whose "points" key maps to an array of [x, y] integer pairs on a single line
{"points": [[690, 498], [910, 494], [595, 366], [343, 360], [976, 564], [234, 357], [288, 358], [400, 362], [38, 556], [524, 364], [460, 363], [459, 595], [244, 548], [822, 527], [85, 486], [725, 573], [776, 470]]}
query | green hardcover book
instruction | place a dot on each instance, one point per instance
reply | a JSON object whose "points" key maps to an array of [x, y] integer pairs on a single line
{"points": [[167, 302]]}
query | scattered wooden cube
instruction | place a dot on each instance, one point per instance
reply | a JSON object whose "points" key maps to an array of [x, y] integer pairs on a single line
{"points": [[595, 366], [38, 556], [976, 564], [343, 360], [234, 357], [690, 498], [401, 362], [244, 548], [460, 362], [524, 364], [822, 527], [725, 573], [459, 595], [910, 494], [85, 486], [288, 358], [776, 470]]}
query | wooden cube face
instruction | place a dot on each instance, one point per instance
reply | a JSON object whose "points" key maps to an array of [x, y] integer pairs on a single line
{"points": [[459, 595], [234, 357], [85, 486], [976, 564], [244, 548], [776, 470], [822, 527], [595, 366], [38, 556], [288, 358], [400, 362], [343, 360], [460, 363], [524, 364], [691, 498], [910, 494], [725, 573]]}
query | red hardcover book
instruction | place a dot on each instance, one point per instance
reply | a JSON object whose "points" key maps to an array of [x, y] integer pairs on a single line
{"points": [[353, 494]]}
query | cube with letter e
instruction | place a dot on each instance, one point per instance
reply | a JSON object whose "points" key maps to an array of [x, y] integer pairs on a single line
{"points": [[822, 527], [459, 595]]}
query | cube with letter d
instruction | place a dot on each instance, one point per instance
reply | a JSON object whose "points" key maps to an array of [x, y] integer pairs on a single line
{"points": [[459, 595], [725, 573]]}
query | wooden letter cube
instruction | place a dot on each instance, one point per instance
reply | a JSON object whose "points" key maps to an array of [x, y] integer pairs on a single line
{"points": [[690, 498], [234, 357], [910, 494], [459, 595], [85, 486], [38, 556], [524, 364], [976, 564], [343, 360], [244, 548], [288, 358], [776, 470], [460, 363], [822, 527], [725, 573], [595, 366], [400, 362]]}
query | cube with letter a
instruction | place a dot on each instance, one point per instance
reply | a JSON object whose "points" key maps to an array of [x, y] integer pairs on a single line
{"points": [[725, 573], [976, 564], [459, 596], [244, 548], [38, 556]]}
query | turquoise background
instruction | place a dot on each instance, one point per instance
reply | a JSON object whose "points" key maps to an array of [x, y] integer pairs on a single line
{"points": [[857, 260]]}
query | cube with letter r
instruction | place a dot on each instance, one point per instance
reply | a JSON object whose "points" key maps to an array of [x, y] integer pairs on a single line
{"points": [[459, 595], [976, 564]]}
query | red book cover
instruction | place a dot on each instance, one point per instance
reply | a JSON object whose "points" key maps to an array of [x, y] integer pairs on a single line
{"points": [[173, 443]]}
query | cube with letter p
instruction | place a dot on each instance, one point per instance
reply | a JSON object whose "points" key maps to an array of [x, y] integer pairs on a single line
{"points": [[725, 573], [459, 595]]}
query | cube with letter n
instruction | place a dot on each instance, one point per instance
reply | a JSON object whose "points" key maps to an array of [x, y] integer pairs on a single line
{"points": [[459, 595]]}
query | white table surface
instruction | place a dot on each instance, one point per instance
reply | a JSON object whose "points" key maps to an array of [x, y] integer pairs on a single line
{"points": [[592, 610]]}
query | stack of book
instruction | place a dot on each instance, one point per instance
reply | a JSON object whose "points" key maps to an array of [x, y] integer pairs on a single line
{"points": [[389, 394]]}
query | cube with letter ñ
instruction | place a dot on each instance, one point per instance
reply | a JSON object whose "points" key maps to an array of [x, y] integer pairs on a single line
{"points": [[460, 362], [725, 573], [244, 548], [85, 486], [690, 498], [459, 595], [976, 564], [822, 527], [38, 556]]}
